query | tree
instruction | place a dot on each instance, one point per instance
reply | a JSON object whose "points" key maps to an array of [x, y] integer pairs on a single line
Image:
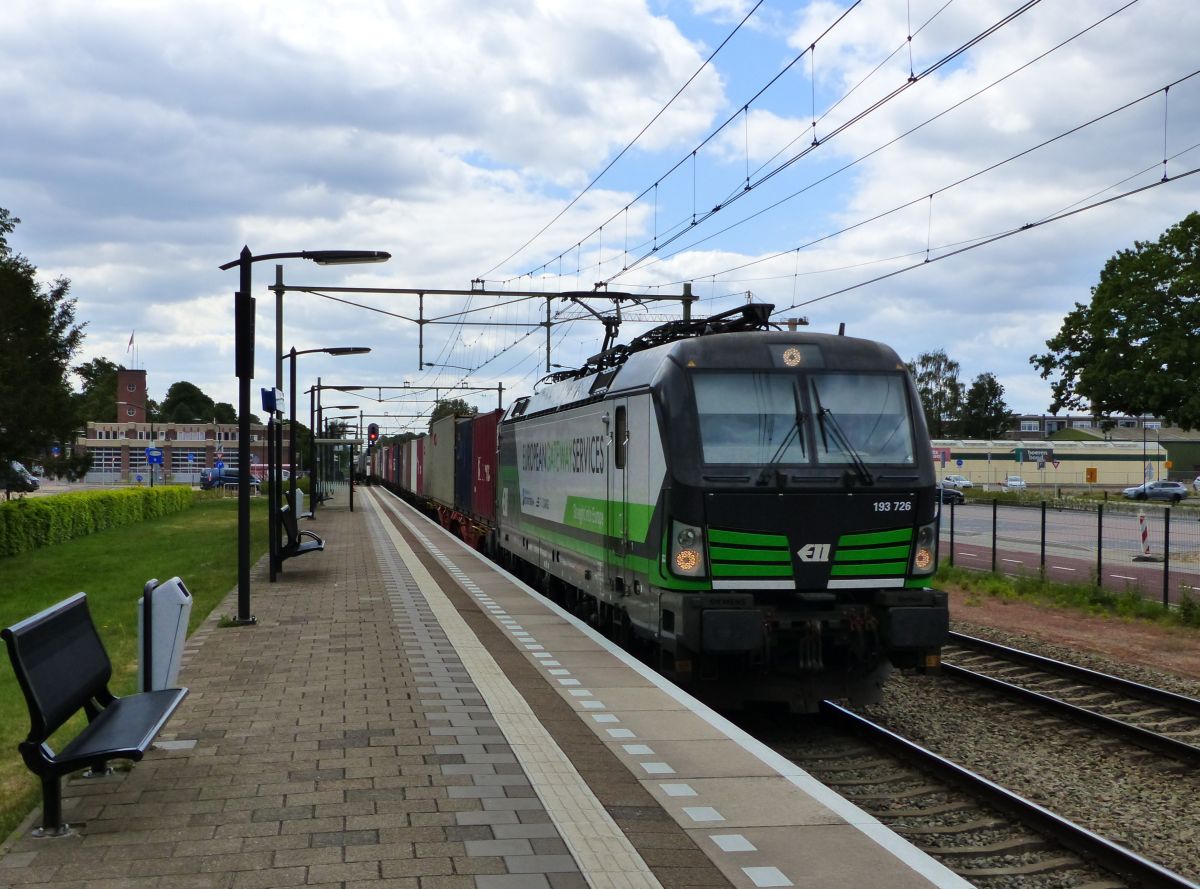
{"points": [[185, 403], [38, 339], [98, 400], [455, 406], [223, 412], [1135, 348], [984, 413], [941, 392]]}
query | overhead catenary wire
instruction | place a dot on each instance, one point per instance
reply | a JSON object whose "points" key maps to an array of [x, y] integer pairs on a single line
{"points": [[929, 195], [719, 129], [632, 142]]}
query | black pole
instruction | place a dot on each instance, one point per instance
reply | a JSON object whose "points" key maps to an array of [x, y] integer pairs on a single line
{"points": [[1167, 557], [1043, 555], [292, 431], [272, 517], [1099, 545], [995, 509], [244, 360], [951, 534]]}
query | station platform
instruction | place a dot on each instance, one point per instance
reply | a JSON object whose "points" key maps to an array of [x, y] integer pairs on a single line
{"points": [[406, 714]]}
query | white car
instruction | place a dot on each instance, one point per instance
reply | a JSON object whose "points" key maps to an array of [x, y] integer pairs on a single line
{"points": [[957, 481], [1014, 483]]}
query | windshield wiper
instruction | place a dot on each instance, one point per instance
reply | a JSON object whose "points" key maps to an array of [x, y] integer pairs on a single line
{"points": [[843, 442], [783, 446]]}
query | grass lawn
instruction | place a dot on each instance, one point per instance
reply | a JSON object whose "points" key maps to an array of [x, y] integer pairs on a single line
{"points": [[198, 544]]}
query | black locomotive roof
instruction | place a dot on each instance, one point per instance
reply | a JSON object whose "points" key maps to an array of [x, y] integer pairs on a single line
{"points": [[746, 343]]}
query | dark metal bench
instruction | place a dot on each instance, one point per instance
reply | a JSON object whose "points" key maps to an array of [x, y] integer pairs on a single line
{"points": [[62, 668], [296, 545]]}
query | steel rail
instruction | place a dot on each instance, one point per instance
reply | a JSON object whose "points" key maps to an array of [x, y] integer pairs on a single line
{"points": [[1080, 840], [1142, 737], [1148, 693]]}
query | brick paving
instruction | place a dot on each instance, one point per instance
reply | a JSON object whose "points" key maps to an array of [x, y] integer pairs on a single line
{"points": [[338, 743]]}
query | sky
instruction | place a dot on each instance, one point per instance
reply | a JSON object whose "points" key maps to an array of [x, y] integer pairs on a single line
{"points": [[832, 158]]}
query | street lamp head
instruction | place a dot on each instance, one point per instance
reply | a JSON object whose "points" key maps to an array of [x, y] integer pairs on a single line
{"points": [[329, 350], [320, 257], [346, 257]]}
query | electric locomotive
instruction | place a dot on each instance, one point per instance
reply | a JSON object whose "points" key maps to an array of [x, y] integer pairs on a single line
{"points": [[754, 508]]}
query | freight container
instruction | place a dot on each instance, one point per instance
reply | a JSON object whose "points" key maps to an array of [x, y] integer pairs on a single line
{"points": [[463, 464], [419, 453], [483, 468]]}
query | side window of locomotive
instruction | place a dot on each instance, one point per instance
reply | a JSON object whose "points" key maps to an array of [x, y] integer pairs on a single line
{"points": [[866, 414], [748, 418], [622, 434]]}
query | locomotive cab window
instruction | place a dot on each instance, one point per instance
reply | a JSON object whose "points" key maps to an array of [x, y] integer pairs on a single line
{"points": [[861, 416], [748, 418]]}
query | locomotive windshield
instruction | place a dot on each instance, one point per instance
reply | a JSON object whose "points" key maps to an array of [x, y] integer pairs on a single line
{"points": [[829, 417], [871, 413], [748, 417]]}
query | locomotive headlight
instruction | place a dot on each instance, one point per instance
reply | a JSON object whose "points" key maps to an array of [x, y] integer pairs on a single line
{"points": [[687, 550], [923, 561]]}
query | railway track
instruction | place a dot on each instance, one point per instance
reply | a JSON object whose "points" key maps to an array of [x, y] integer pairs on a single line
{"points": [[1157, 720], [985, 833]]}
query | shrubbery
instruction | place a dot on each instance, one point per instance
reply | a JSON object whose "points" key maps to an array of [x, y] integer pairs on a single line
{"points": [[34, 522]]}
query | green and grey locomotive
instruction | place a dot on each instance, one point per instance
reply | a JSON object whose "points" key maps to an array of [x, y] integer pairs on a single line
{"points": [[754, 508]]}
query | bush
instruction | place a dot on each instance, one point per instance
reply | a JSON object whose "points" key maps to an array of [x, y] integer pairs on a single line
{"points": [[34, 522]]}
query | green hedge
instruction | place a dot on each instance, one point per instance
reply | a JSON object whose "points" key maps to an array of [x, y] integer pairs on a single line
{"points": [[34, 522]]}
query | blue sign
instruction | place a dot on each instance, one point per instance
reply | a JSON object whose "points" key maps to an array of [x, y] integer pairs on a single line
{"points": [[154, 456], [958, 462], [191, 458], [138, 478], [220, 464], [54, 451]]}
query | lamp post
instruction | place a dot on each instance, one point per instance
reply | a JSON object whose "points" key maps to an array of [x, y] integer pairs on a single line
{"points": [[244, 370], [291, 356]]}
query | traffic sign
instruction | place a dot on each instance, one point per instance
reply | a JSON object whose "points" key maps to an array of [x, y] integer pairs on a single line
{"points": [[191, 458], [154, 456], [220, 464], [958, 462], [138, 478], [1056, 462]]}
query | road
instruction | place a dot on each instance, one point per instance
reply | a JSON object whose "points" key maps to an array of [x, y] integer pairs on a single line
{"points": [[1072, 540]]}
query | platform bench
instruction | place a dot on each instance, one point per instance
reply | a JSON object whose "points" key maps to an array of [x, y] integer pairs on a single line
{"points": [[296, 544], [62, 668]]}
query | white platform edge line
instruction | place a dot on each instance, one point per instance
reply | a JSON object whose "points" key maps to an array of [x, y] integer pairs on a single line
{"points": [[598, 845], [921, 863]]}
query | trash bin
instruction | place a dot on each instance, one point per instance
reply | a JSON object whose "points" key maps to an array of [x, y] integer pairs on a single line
{"points": [[165, 608]]}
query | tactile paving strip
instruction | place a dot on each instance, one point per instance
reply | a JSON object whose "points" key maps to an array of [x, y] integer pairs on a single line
{"points": [[487, 714]]}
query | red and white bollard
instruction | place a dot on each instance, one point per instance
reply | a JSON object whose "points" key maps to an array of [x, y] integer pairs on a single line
{"points": [[1144, 555]]}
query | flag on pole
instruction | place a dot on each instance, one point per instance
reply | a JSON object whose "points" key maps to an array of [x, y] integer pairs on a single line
{"points": [[130, 346]]}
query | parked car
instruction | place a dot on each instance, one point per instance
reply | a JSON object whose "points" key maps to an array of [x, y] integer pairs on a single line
{"points": [[1014, 483], [950, 495], [19, 479], [215, 478], [957, 481], [1159, 490]]}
